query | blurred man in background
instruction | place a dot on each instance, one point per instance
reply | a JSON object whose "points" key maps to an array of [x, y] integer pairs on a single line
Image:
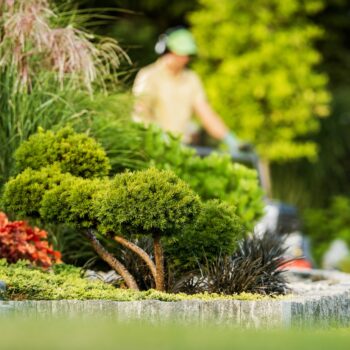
{"points": [[169, 94]]}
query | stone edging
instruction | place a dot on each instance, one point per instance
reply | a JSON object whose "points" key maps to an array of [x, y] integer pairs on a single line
{"points": [[322, 307]]}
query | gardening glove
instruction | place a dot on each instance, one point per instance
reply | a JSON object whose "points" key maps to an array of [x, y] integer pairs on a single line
{"points": [[236, 145]]}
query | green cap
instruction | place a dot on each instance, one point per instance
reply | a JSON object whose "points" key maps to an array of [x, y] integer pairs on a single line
{"points": [[181, 42]]}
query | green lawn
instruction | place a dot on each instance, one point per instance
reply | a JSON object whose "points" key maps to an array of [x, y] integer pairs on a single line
{"points": [[104, 334]]}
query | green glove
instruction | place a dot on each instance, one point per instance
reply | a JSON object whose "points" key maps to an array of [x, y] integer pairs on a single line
{"points": [[232, 142], [235, 145]]}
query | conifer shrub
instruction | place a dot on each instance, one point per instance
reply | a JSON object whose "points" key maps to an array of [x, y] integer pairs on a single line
{"points": [[152, 202], [147, 202], [216, 231], [23, 194], [71, 202], [77, 154]]}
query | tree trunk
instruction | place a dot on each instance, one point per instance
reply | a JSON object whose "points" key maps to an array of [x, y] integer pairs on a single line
{"points": [[112, 261], [159, 258], [140, 252]]}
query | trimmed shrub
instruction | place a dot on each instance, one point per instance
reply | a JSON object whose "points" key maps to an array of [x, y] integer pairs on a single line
{"points": [[147, 202], [77, 154], [19, 241], [216, 232], [153, 202], [71, 202], [23, 194]]}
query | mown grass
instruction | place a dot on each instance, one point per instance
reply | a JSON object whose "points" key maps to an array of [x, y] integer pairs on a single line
{"points": [[104, 334]]}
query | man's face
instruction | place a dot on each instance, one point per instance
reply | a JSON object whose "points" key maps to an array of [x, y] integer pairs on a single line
{"points": [[177, 61]]}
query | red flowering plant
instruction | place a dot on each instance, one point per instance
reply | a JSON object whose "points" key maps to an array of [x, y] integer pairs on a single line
{"points": [[19, 241]]}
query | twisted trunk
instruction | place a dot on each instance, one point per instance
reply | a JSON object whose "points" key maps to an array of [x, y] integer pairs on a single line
{"points": [[159, 259], [111, 260], [140, 252]]}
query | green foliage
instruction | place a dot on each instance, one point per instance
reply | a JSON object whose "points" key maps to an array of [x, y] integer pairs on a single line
{"points": [[216, 232], [71, 202], [325, 225], [146, 202], [217, 177], [111, 126], [39, 86], [77, 154], [64, 282], [259, 70], [23, 194], [308, 184], [212, 177], [47, 105], [256, 267]]}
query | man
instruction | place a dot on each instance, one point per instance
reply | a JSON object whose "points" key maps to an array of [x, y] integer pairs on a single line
{"points": [[169, 94]]}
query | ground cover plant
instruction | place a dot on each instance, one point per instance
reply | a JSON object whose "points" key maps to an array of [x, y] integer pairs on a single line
{"points": [[66, 282], [256, 265]]}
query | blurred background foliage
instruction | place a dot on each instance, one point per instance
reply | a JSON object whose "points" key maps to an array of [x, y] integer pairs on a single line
{"points": [[137, 25], [312, 182]]}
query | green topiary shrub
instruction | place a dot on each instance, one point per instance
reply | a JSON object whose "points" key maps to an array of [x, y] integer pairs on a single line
{"points": [[216, 232], [23, 194], [71, 202], [77, 154], [153, 202]]}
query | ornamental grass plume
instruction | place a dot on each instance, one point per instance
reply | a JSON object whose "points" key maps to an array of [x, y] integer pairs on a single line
{"points": [[49, 71], [31, 42]]}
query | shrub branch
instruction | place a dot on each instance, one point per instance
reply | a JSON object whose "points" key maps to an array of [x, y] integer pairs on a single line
{"points": [[140, 252], [111, 260]]}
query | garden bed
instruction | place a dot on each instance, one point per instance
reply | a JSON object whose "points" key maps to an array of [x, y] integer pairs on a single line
{"points": [[318, 297]]}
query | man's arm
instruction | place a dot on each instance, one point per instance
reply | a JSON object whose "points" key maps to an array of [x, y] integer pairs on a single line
{"points": [[210, 119], [141, 90]]}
